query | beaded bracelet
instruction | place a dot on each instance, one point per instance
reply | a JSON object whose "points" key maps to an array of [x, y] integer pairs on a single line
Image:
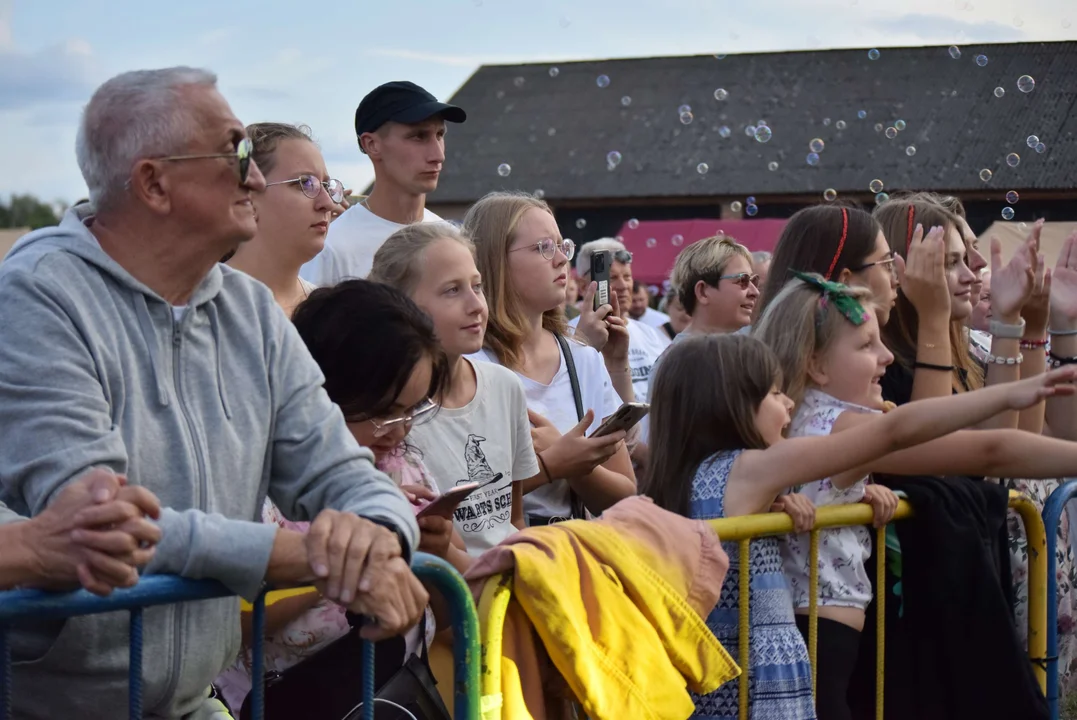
{"points": [[997, 360], [1033, 344], [1055, 362]]}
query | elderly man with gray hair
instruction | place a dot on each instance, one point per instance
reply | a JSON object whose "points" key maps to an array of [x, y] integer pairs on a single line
{"points": [[127, 347]]}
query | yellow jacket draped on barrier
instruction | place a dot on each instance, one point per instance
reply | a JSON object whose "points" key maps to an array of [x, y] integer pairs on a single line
{"points": [[619, 606]]}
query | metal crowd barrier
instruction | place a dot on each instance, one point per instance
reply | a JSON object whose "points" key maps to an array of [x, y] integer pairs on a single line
{"points": [[494, 601], [168, 589], [1053, 510]]}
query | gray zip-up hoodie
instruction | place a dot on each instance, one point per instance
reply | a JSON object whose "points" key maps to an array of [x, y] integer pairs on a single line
{"points": [[210, 412]]}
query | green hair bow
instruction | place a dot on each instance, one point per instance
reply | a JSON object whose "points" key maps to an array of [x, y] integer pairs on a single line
{"points": [[837, 293]]}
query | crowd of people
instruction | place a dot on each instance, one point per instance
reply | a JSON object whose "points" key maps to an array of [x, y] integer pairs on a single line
{"points": [[220, 366]]}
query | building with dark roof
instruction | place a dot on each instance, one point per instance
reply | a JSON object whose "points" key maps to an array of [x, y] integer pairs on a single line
{"points": [[554, 126]]}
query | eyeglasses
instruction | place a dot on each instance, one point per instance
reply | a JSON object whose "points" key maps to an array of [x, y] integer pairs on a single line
{"points": [[417, 415], [741, 279], [311, 186], [887, 263], [548, 248], [242, 153]]}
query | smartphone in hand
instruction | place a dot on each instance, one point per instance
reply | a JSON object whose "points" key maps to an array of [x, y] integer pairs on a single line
{"points": [[600, 273], [626, 416]]}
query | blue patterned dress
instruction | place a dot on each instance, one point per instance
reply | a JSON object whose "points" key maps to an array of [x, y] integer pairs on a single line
{"points": [[779, 673]]}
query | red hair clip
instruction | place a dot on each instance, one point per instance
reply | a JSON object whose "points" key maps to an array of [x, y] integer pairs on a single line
{"points": [[841, 242], [908, 233]]}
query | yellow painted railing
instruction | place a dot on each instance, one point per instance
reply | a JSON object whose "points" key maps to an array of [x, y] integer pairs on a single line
{"points": [[494, 602]]}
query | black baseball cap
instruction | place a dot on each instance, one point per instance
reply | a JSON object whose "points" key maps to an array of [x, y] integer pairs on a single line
{"points": [[403, 102]]}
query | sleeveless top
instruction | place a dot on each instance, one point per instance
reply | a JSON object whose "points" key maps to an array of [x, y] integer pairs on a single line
{"points": [[843, 579], [779, 673]]}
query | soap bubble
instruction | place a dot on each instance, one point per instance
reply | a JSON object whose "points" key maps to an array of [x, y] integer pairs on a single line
{"points": [[602, 81], [813, 159], [684, 109], [677, 240], [816, 145], [721, 94], [878, 127], [826, 122], [724, 131], [551, 132], [873, 54], [772, 165], [719, 56], [750, 200], [1041, 148], [830, 194], [504, 169], [539, 194], [1012, 197], [1032, 141], [955, 52], [702, 168], [891, 132], [981, 60], [876, 186], [840, 125], [686, 118], [881, 198], [554, 72], [1018, 22], [518, 82], [899, 125], [751, 210], [633, 224], [911, 150], [735, 206], [750, 131], [862, 114], [1013, 159], [999, 92], [651, 242], [763, 134], [626, 101], [1026, 84], [581, 224], [613, 158], [761, 122], [1007, 213], [985, 175]]}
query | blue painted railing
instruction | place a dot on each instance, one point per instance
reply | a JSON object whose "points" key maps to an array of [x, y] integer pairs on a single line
{"points": [[167, 589], [1053, 510]]}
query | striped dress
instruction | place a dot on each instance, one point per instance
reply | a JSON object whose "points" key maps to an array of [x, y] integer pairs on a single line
{"points": [[778, 671]]}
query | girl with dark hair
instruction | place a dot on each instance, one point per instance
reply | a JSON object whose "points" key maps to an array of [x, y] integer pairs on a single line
{"points": [[382, 388], [718, 451]]}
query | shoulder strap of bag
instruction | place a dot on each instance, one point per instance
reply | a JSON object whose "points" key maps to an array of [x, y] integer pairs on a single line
{"points": [[572, 377]]}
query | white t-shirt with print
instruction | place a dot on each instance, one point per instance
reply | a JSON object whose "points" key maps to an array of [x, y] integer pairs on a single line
{"points": [[645, 344], [350, 245], [489, 436], [556, 403]]}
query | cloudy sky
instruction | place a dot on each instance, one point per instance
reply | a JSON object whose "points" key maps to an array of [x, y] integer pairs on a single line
{"points": [[296, 61]]}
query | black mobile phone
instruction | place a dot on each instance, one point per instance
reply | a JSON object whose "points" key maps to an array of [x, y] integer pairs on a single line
{"points": [[600, 273], [626, 416]]}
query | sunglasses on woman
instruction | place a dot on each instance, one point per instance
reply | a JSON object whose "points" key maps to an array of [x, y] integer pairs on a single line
{"points": [[741, 279], [311, 186]]}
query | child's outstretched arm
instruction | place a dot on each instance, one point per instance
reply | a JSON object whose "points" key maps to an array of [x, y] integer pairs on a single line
{"points": [[800, 460]]}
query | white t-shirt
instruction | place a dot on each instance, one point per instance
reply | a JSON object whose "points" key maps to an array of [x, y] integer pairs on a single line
{"points": [[645, 344], [487, 437], [350, 245], [555, 402], [654, 318]]}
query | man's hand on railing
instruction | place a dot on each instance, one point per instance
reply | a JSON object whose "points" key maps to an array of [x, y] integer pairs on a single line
{"points": [[799, 508], [391, 596], [95, 532], [883, 501]]}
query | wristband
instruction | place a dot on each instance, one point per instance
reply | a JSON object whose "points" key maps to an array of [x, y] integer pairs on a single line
{"points": [[1062, 333], [546, 470], [1000, 360], [1033, 344], [1006, 331], [1055, 362], [930, 366]]}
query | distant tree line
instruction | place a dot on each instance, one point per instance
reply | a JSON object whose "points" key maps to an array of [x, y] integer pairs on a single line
{"points": [[23, 211]]}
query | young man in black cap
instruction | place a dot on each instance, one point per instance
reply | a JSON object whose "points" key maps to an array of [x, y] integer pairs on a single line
{"points": [[401, 127]]}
